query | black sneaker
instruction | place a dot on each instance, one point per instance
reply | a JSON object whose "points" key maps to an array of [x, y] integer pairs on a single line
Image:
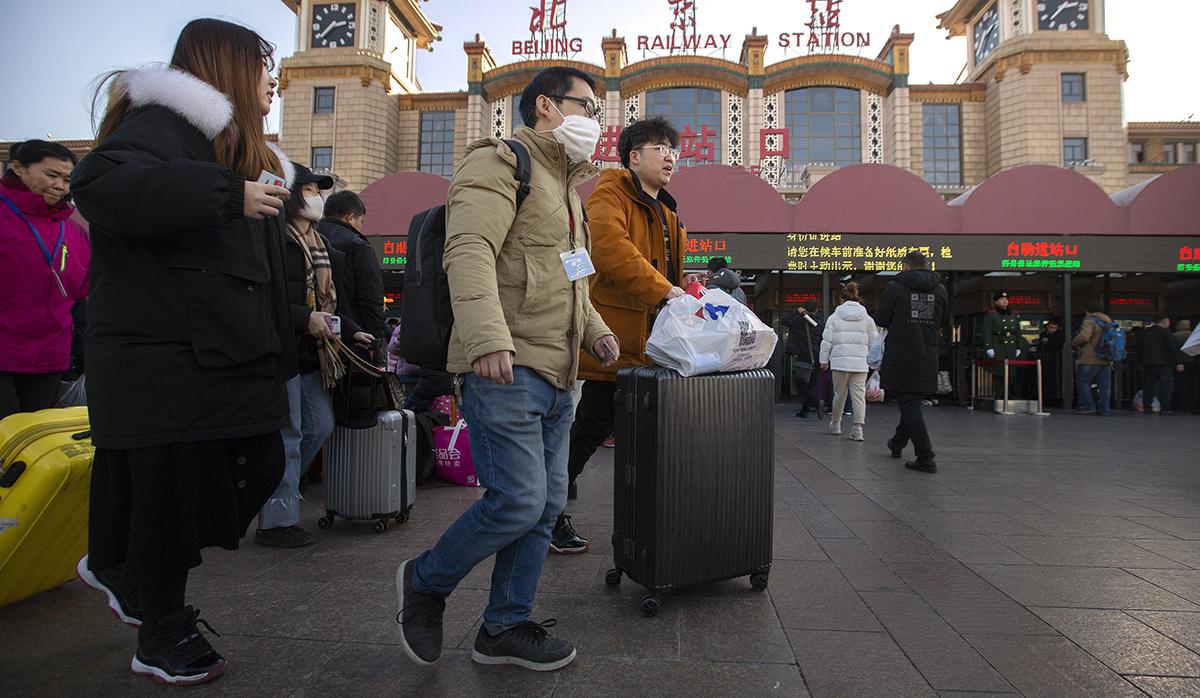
{"points": [[526, 645], [572, 490], [564, 539], [896, 452], [419, 619], [172, 650], [122, 596], [283, 537], [922, 466]]}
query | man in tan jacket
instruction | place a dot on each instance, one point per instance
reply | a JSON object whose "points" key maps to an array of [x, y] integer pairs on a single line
{"points": [[639, 245], [518, 279], [1090, 368]]}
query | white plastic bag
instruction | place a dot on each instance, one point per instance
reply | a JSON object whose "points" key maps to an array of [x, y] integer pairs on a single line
{"points": [[74, 394], [874, 390], [1192, 346], [875, 352], [729, 337]]}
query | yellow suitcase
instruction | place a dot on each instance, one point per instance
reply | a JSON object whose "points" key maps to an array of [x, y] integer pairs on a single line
{"points": [[45, 476]]}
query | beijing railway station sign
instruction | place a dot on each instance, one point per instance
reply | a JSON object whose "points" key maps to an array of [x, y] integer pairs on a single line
{"points": [[549, 36]]}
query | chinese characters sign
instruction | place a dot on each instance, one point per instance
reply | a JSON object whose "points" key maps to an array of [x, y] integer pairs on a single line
{"points": [[548, 33], [391, 251]]}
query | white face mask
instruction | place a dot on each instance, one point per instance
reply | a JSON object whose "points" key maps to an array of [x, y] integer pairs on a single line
{"points": [[578, 134], [314, 208]]}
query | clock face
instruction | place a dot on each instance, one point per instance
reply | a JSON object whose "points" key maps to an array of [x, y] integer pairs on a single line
{"points": [[1062, 15], [333, 25], [987, 34]]}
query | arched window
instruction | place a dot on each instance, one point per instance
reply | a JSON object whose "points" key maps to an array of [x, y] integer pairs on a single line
{"points": [[696, 113], [824, 125]]}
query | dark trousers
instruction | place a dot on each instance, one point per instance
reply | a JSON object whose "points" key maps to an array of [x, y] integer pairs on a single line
{"points": [[804, 377], [912, 427], [432, 384], [1160, 381], [27, 392], [593, 424], [1186, 389]]}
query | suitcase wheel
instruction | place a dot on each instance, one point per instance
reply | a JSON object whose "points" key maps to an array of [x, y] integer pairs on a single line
{"points": [[381, 525], [402, 517], [759, 581], [613, 577], [325, 522], [650, 605]]}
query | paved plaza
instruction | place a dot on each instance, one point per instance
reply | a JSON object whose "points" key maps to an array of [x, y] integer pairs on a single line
{"points": [[1053, 556]]}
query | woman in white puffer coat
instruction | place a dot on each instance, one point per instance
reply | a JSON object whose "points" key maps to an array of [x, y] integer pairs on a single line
{"points": [[844, 345]]}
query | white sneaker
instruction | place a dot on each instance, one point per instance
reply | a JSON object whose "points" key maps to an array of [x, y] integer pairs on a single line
{"points": [[856, 433], [835, 428]]}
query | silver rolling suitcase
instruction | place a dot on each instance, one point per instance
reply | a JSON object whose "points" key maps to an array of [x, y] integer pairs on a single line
{"points": [[371, 474]]}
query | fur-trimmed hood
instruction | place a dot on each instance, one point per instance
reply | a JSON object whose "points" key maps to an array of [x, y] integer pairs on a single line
{"points": [[196, 101]]}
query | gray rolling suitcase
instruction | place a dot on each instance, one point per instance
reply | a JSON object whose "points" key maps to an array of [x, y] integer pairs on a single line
{"points": [[694, 474], [371, 474]]}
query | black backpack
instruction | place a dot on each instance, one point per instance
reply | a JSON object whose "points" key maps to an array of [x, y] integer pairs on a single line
{"points": [[426, 317]]}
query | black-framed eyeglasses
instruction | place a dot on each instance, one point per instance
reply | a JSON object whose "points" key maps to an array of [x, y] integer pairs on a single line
{"points": [[589, 105]]}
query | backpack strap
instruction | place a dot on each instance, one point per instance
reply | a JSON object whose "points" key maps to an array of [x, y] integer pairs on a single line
{"points": [[524, 168]]}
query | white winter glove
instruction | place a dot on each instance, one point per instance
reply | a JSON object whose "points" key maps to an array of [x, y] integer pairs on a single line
{"points": [[991, 353]]}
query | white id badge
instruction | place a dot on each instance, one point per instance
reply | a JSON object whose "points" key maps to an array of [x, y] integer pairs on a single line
{"points": [[578, 264]]}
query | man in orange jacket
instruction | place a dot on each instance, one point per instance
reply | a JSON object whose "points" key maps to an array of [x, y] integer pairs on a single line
{"points": [[637, 248]]}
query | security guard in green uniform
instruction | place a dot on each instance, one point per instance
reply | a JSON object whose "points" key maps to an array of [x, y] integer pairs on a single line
{"points": [[1000, 339]]}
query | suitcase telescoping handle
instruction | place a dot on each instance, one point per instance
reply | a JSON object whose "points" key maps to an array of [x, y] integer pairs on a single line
{"points": [[9, 475]]}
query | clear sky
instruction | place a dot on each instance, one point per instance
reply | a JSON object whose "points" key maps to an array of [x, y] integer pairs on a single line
{"points": [[55, 49]]}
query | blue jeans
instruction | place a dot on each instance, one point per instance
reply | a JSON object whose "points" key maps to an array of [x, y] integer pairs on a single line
{"points": [[310, 408], [1085, 374], [519, 442]]}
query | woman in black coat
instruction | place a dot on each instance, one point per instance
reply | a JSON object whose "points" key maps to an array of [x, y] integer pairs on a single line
{"points": [[188, 340]]}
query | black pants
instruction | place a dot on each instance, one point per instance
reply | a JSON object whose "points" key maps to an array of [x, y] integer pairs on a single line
{"points": [[1160, 381], [1187, 389], [804, 377], [593, 424], [27, 392], [912, 427], [432, 384]]}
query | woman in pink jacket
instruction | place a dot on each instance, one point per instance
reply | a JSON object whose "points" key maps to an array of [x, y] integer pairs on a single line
{"points": [[44, 257]]}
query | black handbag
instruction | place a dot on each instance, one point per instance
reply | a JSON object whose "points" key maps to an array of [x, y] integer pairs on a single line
{"points": [[363, 393]]}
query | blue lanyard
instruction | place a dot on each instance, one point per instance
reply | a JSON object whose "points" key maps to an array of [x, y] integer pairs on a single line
{"points": [[62, 232]]}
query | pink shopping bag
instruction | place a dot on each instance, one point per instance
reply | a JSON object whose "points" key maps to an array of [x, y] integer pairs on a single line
{"points": [[452, 455]]}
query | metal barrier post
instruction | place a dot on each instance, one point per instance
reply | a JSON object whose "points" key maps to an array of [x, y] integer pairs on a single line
{"points": [[974, 377], [1006, 410], [1041, 410]]}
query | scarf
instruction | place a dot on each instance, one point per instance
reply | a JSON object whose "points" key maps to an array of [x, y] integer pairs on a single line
{"points": [[320, 294]]}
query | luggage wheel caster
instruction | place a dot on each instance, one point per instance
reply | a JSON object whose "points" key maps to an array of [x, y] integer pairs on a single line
{"points": [[759, 581], [325, 522], [613, 578], [650, 605], [381, 526], [401, 517]]}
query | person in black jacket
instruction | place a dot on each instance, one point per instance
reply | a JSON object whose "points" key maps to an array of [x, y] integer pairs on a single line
{"points": [[188, 338], [362, 296], [316, 274], [1159, 356], [804, 344], [913, 310]]}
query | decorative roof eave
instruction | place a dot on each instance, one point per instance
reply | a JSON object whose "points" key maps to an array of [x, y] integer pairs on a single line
{"points": [[837, 71], [962, 92], [427, 31], [685, 71], [512, 78], [433, 101], [1149, 129], [954, 20]]}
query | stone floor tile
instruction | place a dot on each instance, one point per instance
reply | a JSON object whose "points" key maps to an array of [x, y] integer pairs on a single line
{"points": [[860, 566], [732, 630], [1186, 528], [1050, 666], [663, 678], [1090, 526], [1181, 627], [1082, 587], [610, 622], [815, 596], [1085, 552], [838, 663], [1124, 644], [1167, 687], [942, 656], [1185, 552], [1185, 583], [976, 547]]}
